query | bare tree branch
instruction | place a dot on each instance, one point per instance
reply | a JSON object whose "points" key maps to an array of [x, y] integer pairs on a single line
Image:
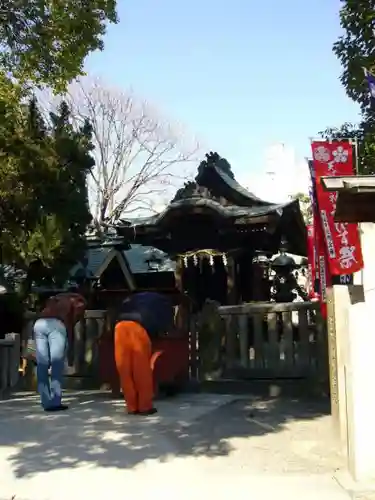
{"points": [[140, 158]]}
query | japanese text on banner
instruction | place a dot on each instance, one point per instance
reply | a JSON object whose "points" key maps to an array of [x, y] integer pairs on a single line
{"points": [[341, 239], [322, 264], [311, 259]]}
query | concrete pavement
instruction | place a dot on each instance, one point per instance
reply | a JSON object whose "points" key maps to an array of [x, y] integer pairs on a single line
{"points": [[202, 445]]}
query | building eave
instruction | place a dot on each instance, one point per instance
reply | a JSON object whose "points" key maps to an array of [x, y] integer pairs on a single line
{"points": [[355, 197]]}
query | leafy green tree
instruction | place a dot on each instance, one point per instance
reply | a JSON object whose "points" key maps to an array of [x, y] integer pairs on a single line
{"points": [[70, 197], [361, 134], [43, 193], [47, 41], [355, 49], [43, 166], [305, 205]]}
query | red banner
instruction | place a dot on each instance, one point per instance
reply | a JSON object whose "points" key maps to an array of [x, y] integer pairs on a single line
{"points": [[322, 265], [341, 239]]}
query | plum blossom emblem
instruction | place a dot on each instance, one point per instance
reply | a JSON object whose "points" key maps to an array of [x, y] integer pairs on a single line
{"points": [[340, 155], [321, 153], [347, 257]]}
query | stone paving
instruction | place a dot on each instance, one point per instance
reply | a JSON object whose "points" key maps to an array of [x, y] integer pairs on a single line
{"points": [[201, 444]]}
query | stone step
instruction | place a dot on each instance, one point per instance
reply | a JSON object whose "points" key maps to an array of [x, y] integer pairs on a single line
{"points": [[265, 388]]}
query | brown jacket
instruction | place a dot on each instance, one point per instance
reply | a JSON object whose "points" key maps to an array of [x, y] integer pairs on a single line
{"points": [[67, 307]]}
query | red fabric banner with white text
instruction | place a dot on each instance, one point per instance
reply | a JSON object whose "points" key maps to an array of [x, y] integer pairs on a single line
{"points": [[322, 265], [322, 277], [341, 239]]}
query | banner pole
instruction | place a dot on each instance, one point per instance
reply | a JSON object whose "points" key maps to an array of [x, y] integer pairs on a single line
{"points": [[356, 149]]}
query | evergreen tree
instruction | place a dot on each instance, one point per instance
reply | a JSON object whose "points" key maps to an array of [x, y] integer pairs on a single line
{"points": [[43, 194], [355, 49], [43, 166], [46, 42]]}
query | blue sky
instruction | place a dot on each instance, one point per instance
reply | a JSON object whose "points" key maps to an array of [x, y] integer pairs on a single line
{"points": [[240, 74]]}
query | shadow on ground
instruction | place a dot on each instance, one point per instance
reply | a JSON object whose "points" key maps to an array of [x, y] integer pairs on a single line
{"points": [[96, 431]]}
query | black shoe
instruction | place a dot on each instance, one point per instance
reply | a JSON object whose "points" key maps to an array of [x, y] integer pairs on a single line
{"points": [[57, 408], [146, 413]]}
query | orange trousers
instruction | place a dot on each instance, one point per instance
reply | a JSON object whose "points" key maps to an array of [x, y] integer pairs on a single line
{"points": [[133, 363]]}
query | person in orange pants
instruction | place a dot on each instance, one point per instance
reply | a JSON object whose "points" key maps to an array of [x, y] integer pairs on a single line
{"points": [[142, 317], [133, 362]]}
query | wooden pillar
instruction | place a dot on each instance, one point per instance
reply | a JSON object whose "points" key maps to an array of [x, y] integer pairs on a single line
{"points": [[231, 281], [186, 323], [231, 324], [260, 288], [182, 311], [178, 274]]}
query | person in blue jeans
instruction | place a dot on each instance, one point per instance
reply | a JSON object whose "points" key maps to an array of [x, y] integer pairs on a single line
{"points": [[52, 332]]}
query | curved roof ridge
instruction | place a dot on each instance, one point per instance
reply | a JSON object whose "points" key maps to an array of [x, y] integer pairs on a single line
{"points": [[228, 210], [234, 184]]}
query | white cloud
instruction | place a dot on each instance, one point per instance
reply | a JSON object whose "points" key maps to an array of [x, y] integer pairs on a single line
{"points": [[283, 175]]}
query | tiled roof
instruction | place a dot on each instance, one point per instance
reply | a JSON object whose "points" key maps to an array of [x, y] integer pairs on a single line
{"points": [[137, 255], [226, 211], [236, 186], [95, 258]]}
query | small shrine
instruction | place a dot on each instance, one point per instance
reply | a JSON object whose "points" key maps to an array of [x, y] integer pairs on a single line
{"points": [[219, 235], [210, 247]]}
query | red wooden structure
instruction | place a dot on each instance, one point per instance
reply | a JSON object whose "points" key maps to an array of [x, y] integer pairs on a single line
{"points": [[170, 363]]}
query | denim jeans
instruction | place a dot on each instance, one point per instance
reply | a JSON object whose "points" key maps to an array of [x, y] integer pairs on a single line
{"points": [[51, 342]]}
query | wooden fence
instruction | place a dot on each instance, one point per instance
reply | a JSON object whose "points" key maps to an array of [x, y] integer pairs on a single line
{"points": [[9, 361], [259, 341], [269, 340]]}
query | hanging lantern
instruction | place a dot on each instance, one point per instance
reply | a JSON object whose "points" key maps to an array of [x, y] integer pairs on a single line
{"points": [[225, 260], [211, 260], [185, 261]]}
